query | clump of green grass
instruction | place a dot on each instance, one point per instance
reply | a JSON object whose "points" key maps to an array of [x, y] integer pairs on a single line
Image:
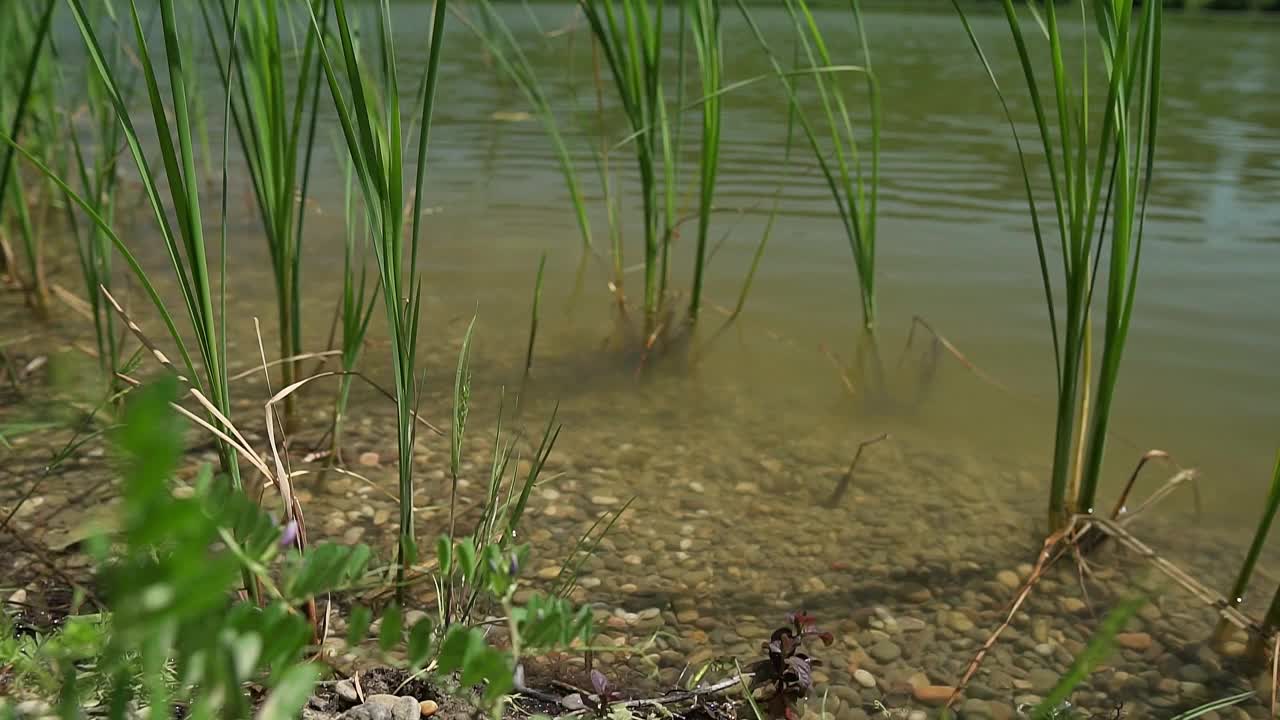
{"points": [[367, 100], [629, 34], [27, 111], [96, 162], [1099, 180], [276, 134], [853, 185]]}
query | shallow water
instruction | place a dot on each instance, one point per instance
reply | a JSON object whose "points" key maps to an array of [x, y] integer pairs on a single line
{"points": [[955, 246], [731, 447]]}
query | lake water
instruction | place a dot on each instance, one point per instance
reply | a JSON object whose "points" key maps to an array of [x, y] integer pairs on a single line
{"points": [[955, 242]]}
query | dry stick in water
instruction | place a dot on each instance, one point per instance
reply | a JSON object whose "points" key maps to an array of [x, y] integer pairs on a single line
{"points": [[917, 321], [1049, 554], [848, 476], [835, 363], [1054, 549]]}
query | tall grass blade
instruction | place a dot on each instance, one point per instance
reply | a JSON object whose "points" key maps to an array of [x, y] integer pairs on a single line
{"points": [[19, 35], [1236, 596], [707, 42], [370, 117], [503, 47], [277, 143], [1081, 162], [533, 315], [855, 192]]}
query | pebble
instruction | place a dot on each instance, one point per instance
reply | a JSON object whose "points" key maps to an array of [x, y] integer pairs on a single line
{"points": [[1043, 680], [932, 694], [402, 708], [1134, 641], [917, 715], [1009, 579], [550, 572], [604, 500], [1074, 606], [885, 652], [910, 624], [960, 622], [1194, 674], [428, 708], [368, 711], [346, 690], [369, 459], [975, 708], [864, 678]]}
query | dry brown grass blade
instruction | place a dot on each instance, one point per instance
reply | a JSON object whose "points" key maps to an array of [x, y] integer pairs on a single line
{"points": [[848, 476], [1181, 477], [1133, 477], [839, 368], [1212, 598], [1050, 552], [917, 321], [231, 435], [304, 356], [77, 304]]}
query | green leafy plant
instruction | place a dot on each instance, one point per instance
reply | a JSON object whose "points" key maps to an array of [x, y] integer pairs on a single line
{"points": [[1099, 181]]}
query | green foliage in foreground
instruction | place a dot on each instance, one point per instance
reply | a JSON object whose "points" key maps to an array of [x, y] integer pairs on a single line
{"points": [[177, 635]]}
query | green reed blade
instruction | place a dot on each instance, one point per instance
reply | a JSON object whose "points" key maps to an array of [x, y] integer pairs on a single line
{"points": [[371, 129], [533, 314], [1236, 596], [24, 94], [512, 60], [710, 53], [1132, 64], [845, 180], [1126, 240], [1099, 647]]}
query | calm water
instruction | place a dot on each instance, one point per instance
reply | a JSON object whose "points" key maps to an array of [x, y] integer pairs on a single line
{"points": [[1200, 376]]}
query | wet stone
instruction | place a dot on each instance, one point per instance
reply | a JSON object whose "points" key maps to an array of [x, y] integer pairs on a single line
{"points": [[1138, 641], [885, 652], [1194, 674], [1043, 680]]}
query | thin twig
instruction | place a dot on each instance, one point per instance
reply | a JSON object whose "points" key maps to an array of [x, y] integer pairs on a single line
{"points": [[1049, 554], [848, 476]]}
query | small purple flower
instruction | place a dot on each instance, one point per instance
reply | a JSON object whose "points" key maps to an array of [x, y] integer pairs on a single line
{"points": [[290, 533], [514, 568]]}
